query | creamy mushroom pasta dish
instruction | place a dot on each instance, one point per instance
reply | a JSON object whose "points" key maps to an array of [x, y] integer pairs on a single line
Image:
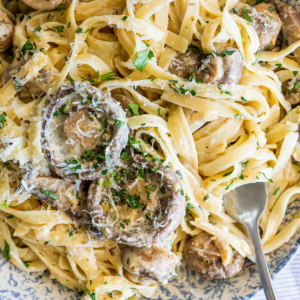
{"points": [[124, 123]]}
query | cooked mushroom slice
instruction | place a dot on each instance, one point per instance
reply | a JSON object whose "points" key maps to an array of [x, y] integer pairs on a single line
{"points": [[43, 4], [290, 26], [123, 100], [225, 68], [212, 258], [35, 87], [293, 94], [84, 131], [154, 263], [138, 204], [61, 194], [264, 20], [6, 31]]}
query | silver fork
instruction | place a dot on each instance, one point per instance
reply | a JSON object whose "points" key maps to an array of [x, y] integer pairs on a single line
{"points": [[246, 204]]}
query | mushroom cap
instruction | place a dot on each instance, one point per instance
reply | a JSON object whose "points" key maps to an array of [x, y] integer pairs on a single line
{"points": [[60, 194], [155, 262], [129, 219], [6, 35], [204, 256], [74, 114]]}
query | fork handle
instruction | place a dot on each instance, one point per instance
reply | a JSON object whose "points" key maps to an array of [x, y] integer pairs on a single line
{"points": [[261, 262]]}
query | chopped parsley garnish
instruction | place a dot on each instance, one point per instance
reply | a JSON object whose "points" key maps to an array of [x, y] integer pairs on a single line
{"points": [[73, 161], [59, 8], [10, 217], [270, 180], [69, 25], [72, 232], [125, 156], [148, 216], [179, 174], [38, 29], [26, 264], [229, 185], [227, 174], [79, 30], [278, 65], [4, 205], [71, 80], [27, 49], [17, 83], [149, 194], [124, 18], [2, 119], [120, 123], [238, 116], [89, 79], [257, 2], [49, 194], [108, 76], [106, 182], [295, 73], [142, 59], [276, 191], [244, 99], [246, 16], [163, 190], [87, 154], [192, 76], [134, 108], [6, 250], [59, 28], [235, 11], [206, 197], [228, 52], [92, 295], [159, 112]]}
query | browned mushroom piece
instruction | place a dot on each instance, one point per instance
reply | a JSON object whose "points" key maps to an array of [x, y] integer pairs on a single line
{"points": [[36, 87], [43, 4], [264, 19], [224, 68], [6, 31], [140, 203], [123, 100], [154, 263], [60, 194], [290, 26], [292, 95], [84, 132], [212, 258], [138, 279]]}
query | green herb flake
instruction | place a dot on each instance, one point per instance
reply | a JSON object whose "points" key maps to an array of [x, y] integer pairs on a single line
{"points": [[124, 18], [134, 108], [227, 174], [229, 185], [78, 30], [142, 59], [125, 156], [49, 194], [206, 197], [6, 250], [106, 182], [2, 119], [276, 191], [92, 295], [270, 180], [244, 99], [59, 28]]}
